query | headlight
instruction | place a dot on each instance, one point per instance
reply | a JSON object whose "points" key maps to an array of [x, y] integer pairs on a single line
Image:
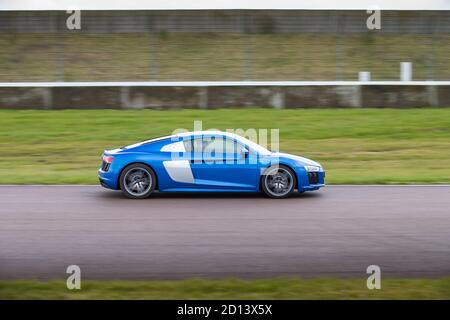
{"points": [[313, 168]]}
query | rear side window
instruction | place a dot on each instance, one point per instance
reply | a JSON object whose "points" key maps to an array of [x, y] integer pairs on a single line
{"points": [[188, 145]]}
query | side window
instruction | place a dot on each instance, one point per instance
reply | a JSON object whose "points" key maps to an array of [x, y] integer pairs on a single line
{"points": [[212, 145], [231, 147], [197, 145], [188, 145], [219, 146]]}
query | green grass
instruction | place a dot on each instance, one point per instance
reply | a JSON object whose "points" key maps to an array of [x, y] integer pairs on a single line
{"points": [[355, 146], [218, 56], [278, 288]]}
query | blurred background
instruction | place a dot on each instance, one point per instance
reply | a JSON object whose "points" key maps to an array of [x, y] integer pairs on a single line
{"points": [[261, 60], [222, 45]]}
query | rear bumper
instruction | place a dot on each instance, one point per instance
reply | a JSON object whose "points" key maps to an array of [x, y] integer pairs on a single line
{"points": [[103, 183], [107, 179]]}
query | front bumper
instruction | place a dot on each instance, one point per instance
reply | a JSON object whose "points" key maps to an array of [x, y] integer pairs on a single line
{"points": [[309, 181]]}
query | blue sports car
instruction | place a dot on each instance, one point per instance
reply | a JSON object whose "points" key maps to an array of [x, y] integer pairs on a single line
{"points": [[206, 161]]}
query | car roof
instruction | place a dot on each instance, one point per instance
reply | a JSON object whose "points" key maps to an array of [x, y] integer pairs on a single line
{"points": [[181, 135], [207, 132], [174, 137]]}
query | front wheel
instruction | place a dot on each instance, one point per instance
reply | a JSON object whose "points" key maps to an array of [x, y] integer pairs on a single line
{"points": [[137, 181], [278, 182]]}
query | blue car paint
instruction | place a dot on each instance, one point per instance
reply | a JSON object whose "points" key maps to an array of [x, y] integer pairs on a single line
{"points": [[236, 176]]}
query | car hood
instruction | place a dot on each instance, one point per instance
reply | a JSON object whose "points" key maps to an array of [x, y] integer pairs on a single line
{"points": [[303, 161]]}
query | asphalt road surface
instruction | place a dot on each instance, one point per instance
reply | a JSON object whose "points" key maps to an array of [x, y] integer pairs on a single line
{"points": [[337, 231]]}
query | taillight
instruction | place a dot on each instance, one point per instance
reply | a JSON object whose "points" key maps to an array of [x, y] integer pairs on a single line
{"points": [[108, 159]]}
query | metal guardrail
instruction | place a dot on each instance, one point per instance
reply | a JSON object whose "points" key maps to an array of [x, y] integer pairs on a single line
{"points": [[224, 94]]}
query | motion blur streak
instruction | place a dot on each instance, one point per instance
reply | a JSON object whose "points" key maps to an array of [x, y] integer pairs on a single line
{"points": [[338, 231]]}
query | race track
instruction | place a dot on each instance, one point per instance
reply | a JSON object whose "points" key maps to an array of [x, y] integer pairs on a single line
{"points": [[339, 230]]}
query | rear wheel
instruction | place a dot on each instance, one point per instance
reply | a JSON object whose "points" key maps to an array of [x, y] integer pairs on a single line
{"points": [[278, 182], [137, 181]]}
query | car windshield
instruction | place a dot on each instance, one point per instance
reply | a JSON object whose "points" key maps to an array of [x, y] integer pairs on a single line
{"points": [[253, 145]]}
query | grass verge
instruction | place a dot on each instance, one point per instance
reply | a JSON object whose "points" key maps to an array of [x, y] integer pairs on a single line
{"points": [[207, 56], [355, 146], [278, 288]]}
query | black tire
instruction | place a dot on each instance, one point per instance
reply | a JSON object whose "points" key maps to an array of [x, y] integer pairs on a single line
{"points": [[272, 172], [133, 181]]}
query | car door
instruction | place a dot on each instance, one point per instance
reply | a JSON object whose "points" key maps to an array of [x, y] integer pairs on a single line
{"points": [[222, 163]]}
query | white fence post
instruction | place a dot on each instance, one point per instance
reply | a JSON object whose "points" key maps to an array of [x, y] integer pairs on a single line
{"points": [[405, 71], [364, 76]]}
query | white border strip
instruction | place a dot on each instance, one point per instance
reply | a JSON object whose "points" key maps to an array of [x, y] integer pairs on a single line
{"points": [[222, 83], [221, 5]]}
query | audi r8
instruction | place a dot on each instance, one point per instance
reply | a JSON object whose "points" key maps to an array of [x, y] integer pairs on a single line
{"points": [[206, 161]]}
